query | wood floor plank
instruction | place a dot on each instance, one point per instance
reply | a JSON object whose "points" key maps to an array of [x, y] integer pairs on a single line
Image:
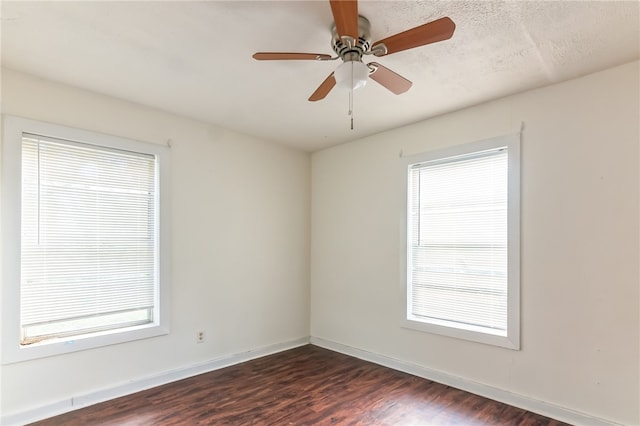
{"points": [[303, 386]]}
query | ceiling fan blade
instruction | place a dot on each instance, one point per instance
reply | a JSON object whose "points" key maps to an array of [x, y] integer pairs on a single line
{"points": [[431, 32], [389, 79], [281, 56], [345, 15], [323, 90]]}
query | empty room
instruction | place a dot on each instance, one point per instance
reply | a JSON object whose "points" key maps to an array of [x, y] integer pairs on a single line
{"points": [[320, 212]]}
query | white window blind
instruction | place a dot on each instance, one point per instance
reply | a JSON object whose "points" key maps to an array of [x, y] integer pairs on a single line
{"points": [[89, 253], [457, 266]]}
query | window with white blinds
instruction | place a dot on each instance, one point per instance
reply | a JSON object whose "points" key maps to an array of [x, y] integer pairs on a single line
{"points": [[89, 238], [458, 248], [85, 247]]}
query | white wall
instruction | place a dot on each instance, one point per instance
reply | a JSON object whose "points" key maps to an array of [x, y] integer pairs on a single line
{"points": [[580, 246], [240, 252]]}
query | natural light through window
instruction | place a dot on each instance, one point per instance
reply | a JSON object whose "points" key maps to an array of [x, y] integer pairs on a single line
{"points": [[88, 256], [87, 267], [458, 242]]}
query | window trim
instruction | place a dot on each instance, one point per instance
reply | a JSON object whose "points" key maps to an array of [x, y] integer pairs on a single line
{"points": [[12, 351], [512, 339]]}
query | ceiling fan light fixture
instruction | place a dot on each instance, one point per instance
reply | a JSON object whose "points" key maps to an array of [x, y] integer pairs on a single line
{"points": [[351, 75]]}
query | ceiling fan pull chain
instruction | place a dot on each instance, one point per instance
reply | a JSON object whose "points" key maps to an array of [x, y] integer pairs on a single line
{"points": [[351, 107], [351, 97]]}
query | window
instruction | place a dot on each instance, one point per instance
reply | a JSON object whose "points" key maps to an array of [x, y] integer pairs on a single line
{"points": [[86, 267], [462, 234]]}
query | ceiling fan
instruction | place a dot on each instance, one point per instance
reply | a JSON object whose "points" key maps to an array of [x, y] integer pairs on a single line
{"points": [[351, 41]]}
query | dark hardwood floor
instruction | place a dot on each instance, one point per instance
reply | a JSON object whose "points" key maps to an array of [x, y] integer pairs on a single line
{"points": [[303, 386]]}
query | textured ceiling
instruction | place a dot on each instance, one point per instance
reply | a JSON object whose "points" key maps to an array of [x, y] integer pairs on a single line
{"points": [[194, 58]]}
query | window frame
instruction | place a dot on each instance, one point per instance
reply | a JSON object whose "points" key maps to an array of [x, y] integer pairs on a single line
{"points": [[12, 351], [512, 338]]}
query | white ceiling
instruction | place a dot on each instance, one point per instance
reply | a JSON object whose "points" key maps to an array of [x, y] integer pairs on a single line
{"points": [[194, 58]]}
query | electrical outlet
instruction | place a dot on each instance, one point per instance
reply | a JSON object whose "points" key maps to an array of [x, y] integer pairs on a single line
{"points": [[200, 337]]}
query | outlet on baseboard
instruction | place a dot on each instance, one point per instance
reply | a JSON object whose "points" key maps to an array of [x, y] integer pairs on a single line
{"points": [[200, 337]]}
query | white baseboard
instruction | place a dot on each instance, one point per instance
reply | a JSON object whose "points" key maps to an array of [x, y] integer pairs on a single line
{"points": [[516, 400], [80, 401]]}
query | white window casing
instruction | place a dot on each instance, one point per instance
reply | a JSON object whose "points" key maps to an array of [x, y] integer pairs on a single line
{"points": [[85, 239], [461, 234]]}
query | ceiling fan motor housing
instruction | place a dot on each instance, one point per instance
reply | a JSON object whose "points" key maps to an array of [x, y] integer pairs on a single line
{"points": [[346, 48]]}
